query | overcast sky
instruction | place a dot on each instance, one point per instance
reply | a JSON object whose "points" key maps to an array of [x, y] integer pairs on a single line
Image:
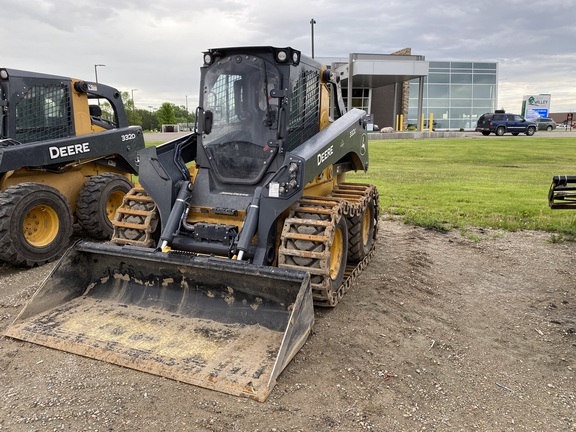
{"points": [[155, 46]]}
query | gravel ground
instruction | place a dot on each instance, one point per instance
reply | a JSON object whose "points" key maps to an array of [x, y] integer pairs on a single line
{"points": [[439, 333]]}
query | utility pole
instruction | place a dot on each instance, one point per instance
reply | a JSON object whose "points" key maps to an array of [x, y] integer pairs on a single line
{"points": [[312, 22]]}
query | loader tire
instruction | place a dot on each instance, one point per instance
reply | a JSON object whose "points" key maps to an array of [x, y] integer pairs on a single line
{"points": [[137, 220], [336, 257], [35, 224], [98, 201], [361, 230], [315, 239], [315, 222], [338, 254]]}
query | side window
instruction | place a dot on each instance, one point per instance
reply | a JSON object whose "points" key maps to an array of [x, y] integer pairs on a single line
{"points": [[498, 117]]}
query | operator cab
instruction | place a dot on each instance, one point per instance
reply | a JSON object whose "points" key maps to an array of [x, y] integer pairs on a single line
{"points": [[240, 94]]}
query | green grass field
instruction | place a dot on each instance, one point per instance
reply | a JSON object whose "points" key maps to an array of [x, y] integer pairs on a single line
{"points": [[497, 183], [461, 183]]}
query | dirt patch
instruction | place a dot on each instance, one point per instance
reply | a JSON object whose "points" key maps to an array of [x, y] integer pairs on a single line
{"points": [[439, 333]]}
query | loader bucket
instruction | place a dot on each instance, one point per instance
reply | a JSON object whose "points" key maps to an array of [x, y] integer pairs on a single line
{"points": [[215, 323]]}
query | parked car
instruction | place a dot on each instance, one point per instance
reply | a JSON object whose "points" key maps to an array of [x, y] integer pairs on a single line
{"points": [[500, 123], [545, 123]]}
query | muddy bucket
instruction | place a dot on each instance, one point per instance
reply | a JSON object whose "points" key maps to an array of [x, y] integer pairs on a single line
{"points": [[215, 323]]}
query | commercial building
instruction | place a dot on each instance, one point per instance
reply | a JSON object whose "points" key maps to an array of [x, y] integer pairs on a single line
{"points": [[456, 93], [388, 86]]}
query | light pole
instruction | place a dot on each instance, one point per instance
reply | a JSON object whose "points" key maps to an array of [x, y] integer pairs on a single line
{"points": [[133, 105], [96, 66], [312, 22]]}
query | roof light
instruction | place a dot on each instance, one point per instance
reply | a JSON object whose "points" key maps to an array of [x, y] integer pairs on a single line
{"points": [[3, 74], [281, 56], [208, 59]]}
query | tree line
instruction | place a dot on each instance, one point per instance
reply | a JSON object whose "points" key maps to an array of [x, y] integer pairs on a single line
{"points": [[151, 119]]}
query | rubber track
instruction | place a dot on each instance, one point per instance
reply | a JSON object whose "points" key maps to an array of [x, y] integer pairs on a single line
{"points": [[349, 200]]}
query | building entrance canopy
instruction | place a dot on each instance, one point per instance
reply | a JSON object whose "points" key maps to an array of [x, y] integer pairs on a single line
{"points": [[381, 70]]}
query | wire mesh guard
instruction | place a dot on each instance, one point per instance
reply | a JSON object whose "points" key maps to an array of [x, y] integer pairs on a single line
{"points": [[304, 109], [43, 113]]}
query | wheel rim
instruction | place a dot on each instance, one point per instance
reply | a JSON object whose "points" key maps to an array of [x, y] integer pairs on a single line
{"points": [[41, 225], [336, 254], [366, 226], [113, 203]]}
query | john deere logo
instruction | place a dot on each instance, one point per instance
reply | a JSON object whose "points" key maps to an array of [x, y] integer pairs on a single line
{"points": [[531, 100]]}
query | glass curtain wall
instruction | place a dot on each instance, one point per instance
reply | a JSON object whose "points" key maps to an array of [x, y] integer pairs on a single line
{"points": [[456, 93], [361, 98]]}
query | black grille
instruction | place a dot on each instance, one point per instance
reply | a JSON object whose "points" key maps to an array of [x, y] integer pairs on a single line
{"points": [[43, 113], [304, 109]]}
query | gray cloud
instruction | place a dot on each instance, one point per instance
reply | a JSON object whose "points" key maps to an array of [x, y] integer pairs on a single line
{"points": [[156, 46]]}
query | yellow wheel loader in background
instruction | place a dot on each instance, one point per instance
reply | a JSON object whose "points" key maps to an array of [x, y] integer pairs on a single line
{"points": [[235, 232], [60, 162]]}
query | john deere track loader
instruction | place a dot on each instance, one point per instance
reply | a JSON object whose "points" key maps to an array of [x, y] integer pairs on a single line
{"points": [[60, 161], [235, 232]]}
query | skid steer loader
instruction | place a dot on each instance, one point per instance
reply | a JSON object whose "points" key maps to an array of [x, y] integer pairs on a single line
{"points": [[562, 192], [60, 161], [235, 232]]}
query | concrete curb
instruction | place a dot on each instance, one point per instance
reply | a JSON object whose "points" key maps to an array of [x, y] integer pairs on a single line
{"points": [[415, 135]]}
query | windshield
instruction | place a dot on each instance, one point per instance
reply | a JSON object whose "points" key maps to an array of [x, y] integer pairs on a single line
{"points": [[245, 117]]}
